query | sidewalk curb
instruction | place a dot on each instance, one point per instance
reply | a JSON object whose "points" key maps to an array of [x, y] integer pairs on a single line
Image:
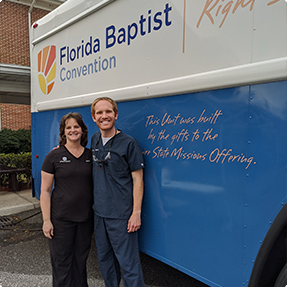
{"points": [[16, 202]]}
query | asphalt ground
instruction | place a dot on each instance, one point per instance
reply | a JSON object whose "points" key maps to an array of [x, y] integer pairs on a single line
{"points": [[25, 259]]}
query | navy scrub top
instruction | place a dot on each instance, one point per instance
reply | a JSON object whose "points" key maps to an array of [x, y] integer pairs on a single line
{"points": [[113, 184]]}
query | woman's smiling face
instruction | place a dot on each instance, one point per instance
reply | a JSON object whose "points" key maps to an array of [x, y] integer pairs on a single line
{"points": [[73, 131]]}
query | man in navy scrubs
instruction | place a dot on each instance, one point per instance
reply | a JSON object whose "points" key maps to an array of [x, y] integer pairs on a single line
{"points": [[118, 192]]}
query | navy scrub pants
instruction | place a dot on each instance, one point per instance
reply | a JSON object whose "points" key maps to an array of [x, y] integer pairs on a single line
{"points": [[118, 250], [69, 250]]}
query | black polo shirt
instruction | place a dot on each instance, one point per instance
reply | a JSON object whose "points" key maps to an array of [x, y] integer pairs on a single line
{"points": [[72, 196]]}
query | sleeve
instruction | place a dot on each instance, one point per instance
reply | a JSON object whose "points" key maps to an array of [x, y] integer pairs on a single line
{"points": [[135, 157], [48, 164]]}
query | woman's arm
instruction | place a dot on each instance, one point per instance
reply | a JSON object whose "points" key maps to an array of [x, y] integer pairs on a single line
{"points": [[45, 203]]}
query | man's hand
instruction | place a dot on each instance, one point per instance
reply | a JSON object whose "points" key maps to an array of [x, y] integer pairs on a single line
{"points": [[134, 222]]}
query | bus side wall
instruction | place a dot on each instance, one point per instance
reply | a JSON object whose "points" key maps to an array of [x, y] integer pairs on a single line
{"points": [[215, 175]]}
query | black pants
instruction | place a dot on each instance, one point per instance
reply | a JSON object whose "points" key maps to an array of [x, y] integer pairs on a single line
{"points": [[69, 250]]}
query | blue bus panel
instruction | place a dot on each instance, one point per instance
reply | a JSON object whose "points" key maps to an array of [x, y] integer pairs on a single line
{"points": [[215, 175]]}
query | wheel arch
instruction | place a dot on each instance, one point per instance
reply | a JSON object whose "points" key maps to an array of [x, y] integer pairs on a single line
{"points": [[265, 269]]}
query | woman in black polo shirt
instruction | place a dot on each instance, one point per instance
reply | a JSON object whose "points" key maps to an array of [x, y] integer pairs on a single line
{"points": [[67, 212]]}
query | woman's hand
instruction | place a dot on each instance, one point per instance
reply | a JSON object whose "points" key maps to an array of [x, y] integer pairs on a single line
{"points": [[48, 229]]}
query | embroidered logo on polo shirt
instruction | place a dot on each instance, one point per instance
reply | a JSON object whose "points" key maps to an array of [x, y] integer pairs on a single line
{"points": [[64, 160], [88, 160]]}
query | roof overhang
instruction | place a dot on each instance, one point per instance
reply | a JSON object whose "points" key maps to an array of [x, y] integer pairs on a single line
{"points": [[48, 5], [14, 84]]}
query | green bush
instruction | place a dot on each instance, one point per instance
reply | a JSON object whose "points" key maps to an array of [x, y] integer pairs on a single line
{"points": [[15, 141], [15, 151], [18, 161]]}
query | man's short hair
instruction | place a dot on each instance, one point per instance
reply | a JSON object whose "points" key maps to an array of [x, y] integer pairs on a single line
{"points": [[114, 104]]}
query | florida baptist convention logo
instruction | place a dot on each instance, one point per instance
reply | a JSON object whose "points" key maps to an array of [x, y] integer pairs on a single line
{"points": [[47, 69]]}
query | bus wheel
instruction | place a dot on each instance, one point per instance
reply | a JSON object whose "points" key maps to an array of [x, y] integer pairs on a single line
{"points": [[282, 278]]}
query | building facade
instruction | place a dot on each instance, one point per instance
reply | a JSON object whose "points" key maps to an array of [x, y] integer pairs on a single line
{"points": [[15, 18]]}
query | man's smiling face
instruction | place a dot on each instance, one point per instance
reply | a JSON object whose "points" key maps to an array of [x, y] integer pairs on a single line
{"points": [[105, 117]]}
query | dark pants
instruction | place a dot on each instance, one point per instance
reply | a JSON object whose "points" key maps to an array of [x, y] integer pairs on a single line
{"points": [[69, 249], [118, 250]]}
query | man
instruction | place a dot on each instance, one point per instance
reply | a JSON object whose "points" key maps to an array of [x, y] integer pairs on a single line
{"points": [[118, 192]]}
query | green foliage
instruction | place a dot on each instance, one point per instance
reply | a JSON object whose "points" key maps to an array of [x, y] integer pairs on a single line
{"points": [[15, 151], [17, 160], [15, 141]]}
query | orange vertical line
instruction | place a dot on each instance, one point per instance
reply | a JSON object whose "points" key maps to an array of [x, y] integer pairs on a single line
{"points": [[39, 61], [183, 40]]}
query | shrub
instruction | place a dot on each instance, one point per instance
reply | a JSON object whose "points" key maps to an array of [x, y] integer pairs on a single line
{"points": [[15, 141], [17, 160]]}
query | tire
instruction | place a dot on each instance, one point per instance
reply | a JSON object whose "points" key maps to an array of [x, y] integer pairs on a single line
{"points": [[282, 277]]}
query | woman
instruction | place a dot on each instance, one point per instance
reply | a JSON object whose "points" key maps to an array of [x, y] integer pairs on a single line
{"points": [[67, 213]]}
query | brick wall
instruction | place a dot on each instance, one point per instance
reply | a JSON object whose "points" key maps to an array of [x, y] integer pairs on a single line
{"points": [[14, 34], [15, 117], [14, 49]]}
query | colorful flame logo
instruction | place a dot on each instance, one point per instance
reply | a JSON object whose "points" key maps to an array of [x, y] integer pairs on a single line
{"points": [[47, 69]]}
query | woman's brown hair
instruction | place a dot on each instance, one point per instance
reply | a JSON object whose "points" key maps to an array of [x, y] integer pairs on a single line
{"points": [[79, 120]]}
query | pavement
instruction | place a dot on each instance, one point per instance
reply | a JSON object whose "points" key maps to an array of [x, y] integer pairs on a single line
{"points": [[12, 202], [24, 243]]}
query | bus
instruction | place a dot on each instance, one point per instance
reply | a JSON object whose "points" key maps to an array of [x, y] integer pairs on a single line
{"points": [[202, 86]]}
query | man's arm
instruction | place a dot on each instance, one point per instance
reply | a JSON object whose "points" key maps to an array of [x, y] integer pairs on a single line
{"points": [[134, 222]]}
